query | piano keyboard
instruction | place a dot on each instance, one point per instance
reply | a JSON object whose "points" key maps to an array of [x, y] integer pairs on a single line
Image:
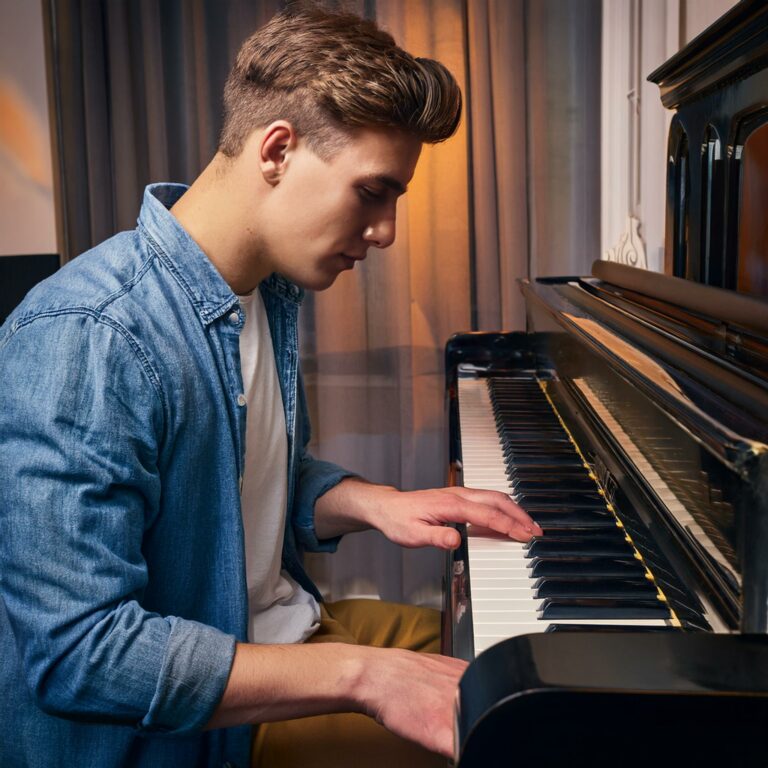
{"points": [[584, 572]]}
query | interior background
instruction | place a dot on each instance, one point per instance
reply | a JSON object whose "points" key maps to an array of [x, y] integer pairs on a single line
{"points": [[561, 145]]}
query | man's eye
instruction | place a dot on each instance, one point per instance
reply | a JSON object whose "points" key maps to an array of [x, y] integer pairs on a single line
{"points": [[371, 194]]}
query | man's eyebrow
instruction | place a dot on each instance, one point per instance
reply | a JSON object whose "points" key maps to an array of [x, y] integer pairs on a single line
{"points": [[390, 182]]}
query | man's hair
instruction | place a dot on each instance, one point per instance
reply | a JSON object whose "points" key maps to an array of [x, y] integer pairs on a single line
{"points": [[327, 72]]}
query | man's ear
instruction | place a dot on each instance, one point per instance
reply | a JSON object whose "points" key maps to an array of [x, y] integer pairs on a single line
{"points": [[277, 142]]}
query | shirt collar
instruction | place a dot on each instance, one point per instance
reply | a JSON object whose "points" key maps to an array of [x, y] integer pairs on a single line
{"points": [[206, 288]]}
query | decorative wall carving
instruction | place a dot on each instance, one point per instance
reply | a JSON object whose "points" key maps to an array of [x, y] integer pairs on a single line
{"points": [[630, 248]]}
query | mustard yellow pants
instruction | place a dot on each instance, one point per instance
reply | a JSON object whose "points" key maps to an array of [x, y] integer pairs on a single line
{"points": [[353, 740]]}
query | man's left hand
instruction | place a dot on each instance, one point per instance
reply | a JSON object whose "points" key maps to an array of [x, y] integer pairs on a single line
{"points": [[418, 518]]}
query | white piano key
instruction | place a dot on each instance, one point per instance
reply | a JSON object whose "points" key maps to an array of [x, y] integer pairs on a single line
{"points": [[503, 604]]}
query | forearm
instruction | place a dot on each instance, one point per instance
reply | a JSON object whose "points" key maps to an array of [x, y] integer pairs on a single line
{"points": [[411, 694], [281, 682], [352, 505]]}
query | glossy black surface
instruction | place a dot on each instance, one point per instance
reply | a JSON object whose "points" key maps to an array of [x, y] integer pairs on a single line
{"points": [[666, 391], [19, 274], [613, 698], [718, 85], [704, 450]]}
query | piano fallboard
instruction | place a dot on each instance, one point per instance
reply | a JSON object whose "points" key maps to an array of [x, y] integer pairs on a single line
{"points": [[609, 700]]}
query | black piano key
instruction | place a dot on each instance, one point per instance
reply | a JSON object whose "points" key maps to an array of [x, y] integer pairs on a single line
{"points": [[556, 485], [573, 501], [595, 608], [530, 433], [525, 397], [613, 535], [579, 517], [553, 462], [536, 438], [586, 548], [603, 588], [515, 461], [587, 567], [560, 500], [514, 449], [542, 473], [598, 526], [507, 419], [608, 628]]}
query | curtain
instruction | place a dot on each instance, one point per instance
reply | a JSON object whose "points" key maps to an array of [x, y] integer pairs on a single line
{"points": [[136, 92], [137, 88], [375, 370]]}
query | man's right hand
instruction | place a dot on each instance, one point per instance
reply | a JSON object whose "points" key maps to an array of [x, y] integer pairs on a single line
{"points": [[411, 694]]}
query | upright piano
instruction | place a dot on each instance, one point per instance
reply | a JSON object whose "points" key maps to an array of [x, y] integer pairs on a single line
{"points": [[630, 420]]}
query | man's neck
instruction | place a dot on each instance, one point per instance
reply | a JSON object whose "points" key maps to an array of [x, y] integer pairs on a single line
{"points": [[213, 213]]}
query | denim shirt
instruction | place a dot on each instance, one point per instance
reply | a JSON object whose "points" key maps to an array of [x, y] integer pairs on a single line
{"points": [[122, 433]]}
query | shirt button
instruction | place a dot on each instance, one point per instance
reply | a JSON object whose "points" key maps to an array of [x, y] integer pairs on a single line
{"points": [[234, 318], [241, 399]]}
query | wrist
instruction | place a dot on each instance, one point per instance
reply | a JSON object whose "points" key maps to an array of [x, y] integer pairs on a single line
{"points": [[352, 505], [372, 502], [359, 679]]}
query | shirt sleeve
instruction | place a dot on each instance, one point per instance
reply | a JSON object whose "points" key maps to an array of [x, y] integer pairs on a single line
{"points": [[315, 477], [80, 415]]}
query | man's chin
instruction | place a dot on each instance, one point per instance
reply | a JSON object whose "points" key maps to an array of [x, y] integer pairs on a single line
{"points": [[317, 282]]}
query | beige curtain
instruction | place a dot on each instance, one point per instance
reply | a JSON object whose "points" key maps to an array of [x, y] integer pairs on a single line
{"points": [[513, 194], [373, 365], [499, 151]]}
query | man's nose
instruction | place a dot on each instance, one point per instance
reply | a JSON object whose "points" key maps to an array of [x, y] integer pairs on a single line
{"points": [[381, 233]]}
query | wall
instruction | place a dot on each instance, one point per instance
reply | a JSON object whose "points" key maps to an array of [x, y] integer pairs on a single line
{"points": [[638, 36], [27, 221]]}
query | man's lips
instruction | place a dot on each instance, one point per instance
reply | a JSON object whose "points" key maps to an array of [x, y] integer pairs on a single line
{"points": [[350, 259]]}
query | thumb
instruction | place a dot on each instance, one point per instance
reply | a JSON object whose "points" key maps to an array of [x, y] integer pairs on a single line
{"points": [[445, 537]]}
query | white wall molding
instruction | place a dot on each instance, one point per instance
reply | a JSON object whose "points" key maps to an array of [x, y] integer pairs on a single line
{"points": [[614, 121], [630, 249], [638, 36]]}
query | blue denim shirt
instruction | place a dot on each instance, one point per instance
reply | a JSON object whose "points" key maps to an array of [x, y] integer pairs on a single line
{"points": [[121, 540]]}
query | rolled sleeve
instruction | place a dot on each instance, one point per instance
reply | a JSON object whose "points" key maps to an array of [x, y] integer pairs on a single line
{"points": [[192, 679], [315, 478], [80, 414]]}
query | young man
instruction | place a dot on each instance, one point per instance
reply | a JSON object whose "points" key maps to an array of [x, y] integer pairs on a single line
{"points": [[155, 490]]}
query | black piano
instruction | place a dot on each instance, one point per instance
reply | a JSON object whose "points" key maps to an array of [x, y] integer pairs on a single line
{"points": [[630, 420]]}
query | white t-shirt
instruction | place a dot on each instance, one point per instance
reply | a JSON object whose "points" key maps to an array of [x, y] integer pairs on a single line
{"points": [[280, 610]]}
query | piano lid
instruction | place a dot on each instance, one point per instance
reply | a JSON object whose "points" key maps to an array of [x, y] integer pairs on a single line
{"points": [[735, 45], [721, 404]]}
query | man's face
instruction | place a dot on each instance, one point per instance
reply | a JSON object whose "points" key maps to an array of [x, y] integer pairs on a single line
{"points": [[323, 215]]}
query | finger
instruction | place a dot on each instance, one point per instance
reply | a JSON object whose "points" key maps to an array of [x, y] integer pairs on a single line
{"points": [[496, 519], [443, 537], [429, 535], [504, 503]]}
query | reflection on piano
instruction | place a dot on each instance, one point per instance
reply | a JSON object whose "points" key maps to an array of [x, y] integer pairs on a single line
{"points": [[631, 422]]}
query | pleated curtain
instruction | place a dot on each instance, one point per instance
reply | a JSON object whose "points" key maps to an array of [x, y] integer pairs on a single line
{"points": [[136, 89]]}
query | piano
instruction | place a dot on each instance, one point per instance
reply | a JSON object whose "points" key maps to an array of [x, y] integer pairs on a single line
{"points": [[630, 419]]}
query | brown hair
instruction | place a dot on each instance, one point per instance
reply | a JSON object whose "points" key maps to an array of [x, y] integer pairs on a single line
{"points": [[326, 71]]}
